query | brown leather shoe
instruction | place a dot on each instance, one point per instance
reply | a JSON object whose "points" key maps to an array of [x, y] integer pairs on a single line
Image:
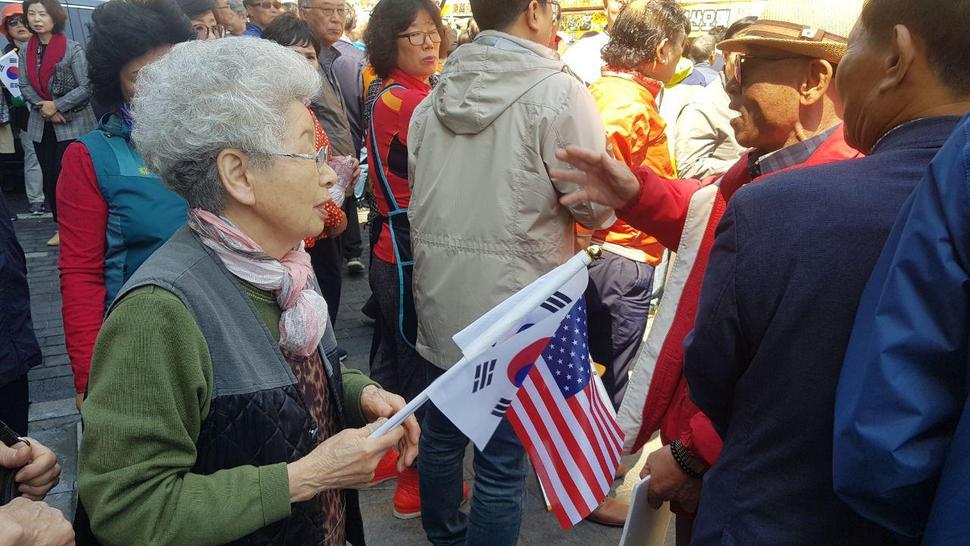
{"points": [[610, 512]]}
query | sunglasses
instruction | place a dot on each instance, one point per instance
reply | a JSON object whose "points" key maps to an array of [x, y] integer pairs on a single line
{"points": [[15, 20], [265, 5]]}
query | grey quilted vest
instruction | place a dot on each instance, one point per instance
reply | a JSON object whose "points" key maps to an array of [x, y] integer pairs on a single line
{"points": [[256, 415]]}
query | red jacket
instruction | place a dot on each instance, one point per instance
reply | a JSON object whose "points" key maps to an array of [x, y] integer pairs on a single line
{"points": [[684, 214]]}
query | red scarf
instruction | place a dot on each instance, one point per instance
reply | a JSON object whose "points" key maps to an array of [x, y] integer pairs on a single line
{"points": [[52, 55]]}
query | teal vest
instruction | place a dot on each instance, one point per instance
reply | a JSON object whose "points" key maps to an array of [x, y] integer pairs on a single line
{"points": [[142, 212]]}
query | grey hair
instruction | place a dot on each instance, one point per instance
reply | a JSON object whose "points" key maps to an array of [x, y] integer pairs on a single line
{"points": [[206, 96], [237, 7]]}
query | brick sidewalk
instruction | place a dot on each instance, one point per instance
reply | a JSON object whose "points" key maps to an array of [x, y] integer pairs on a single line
{"points": [[54, 421]]}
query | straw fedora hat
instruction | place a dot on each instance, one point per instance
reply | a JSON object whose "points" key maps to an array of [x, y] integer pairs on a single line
{"points": [[813, 28]]}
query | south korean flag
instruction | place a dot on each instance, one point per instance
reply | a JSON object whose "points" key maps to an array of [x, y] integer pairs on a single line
{"points": [[476, 397]]}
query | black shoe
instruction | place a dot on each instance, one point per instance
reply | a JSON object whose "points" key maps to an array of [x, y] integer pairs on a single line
{"points": [[37, 209], [370, 309], [341, 354]]}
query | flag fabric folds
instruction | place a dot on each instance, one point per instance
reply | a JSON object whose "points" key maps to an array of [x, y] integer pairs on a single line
{"points": [[539, 375], [570, 434]]}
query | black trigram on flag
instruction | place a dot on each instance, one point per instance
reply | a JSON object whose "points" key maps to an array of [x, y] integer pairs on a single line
{"points": [[501, 407], [556, 302], [483, 375]]}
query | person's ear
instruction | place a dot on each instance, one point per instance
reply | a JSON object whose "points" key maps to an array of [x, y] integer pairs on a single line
{"points": [[664, 51], [532, 16], [899, 59], [237, 175], [820, 77]]}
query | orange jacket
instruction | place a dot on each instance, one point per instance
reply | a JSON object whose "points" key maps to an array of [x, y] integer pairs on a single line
{"points": [[637, 134]]}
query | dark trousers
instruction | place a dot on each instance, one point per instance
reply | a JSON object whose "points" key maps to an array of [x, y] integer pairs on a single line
{"points": [[14, 403], [351, 246], [49, 154], [498, 495], [394, 364], [617, 302], [325, 257]]}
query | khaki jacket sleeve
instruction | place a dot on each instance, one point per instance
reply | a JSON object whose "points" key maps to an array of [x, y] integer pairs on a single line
{"points": [[579, 124]]}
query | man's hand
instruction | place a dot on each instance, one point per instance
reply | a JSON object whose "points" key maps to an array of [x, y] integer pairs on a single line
{"points": [[39, 471], [376, 403], [601, 178], [29, 523], [669, 483], [47, 108]]}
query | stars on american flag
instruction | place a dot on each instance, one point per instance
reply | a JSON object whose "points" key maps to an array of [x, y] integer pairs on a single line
{"points": [[567, 354]]}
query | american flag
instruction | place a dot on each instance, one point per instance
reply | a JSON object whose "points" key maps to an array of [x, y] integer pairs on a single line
{"points": [[571, 436]]}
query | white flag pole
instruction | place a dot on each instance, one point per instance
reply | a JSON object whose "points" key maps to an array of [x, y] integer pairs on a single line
{"points": [[557, 278]]}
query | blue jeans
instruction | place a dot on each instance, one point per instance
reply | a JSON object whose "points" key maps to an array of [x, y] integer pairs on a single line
{"points": [[498, 494]]}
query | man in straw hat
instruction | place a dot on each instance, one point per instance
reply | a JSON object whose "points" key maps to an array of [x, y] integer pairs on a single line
{"points": [[786, 97], [790, 262]]}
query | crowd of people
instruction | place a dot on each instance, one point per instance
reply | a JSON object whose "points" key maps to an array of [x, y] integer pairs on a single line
{"points": [[785, 197]]}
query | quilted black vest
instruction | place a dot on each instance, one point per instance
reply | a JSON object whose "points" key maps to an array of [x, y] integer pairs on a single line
{"points": [[256, 415]]}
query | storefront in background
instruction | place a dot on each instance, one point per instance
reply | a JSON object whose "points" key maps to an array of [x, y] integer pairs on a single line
{"points": [[582, 16]]}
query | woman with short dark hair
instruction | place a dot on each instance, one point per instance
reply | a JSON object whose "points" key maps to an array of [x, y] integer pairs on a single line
{"points": [[202, 14], [54, 83], [114, 212], [402, 39]]}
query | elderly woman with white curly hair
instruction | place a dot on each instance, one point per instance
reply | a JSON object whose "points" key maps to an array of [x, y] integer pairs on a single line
{"points": [[217, 410]]}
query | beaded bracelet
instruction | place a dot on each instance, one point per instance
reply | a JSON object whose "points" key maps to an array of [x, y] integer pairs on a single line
{"points": [[686, 461]]}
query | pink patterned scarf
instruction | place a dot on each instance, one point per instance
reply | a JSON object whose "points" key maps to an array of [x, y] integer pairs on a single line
{"points": [[305, 315]]}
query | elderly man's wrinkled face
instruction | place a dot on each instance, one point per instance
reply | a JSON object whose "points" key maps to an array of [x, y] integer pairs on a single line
{"points": [[867, 112], [290, 192], [326, 18], [764, 90]]}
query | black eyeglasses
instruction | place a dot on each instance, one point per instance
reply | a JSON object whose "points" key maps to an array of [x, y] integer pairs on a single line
{"points": [[203, 32], [419, 38], [14, 20], [265, 5]]}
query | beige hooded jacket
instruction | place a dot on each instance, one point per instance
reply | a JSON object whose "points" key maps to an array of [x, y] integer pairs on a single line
{"points": [[485, 216]]}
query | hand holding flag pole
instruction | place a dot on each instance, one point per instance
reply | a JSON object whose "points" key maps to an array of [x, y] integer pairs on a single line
{"points": [[529, 300]]}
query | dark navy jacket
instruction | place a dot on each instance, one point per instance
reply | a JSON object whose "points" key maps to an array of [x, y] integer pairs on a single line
{"points": [[902, 424], [19, 350], [792, 256]]}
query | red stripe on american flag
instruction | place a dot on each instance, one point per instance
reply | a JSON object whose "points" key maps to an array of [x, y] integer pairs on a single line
{"points": [[556, 404], [606, 419], [554, 500], [583, 413], [603, 434], [529, 404]]}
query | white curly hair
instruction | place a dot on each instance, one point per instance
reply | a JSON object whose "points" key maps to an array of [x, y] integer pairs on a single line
{"points": [[210, 95]]}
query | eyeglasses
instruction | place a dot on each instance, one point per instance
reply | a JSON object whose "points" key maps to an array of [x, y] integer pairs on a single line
{"points": [[329, 12], [15, 20], [556, 9], [265, 5], [740, 60], [419, 38], [320, 158], [203, 32]]}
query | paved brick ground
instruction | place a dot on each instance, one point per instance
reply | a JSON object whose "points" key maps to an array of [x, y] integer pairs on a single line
{"points": [[54, 420]]}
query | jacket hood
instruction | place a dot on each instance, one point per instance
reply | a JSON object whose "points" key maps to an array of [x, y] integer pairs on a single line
{"points": [[483, 79]]}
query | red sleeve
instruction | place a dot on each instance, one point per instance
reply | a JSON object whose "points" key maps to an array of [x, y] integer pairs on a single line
{"points": [[410, 100], [701, 439], [82, 218], [661, 207]]}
